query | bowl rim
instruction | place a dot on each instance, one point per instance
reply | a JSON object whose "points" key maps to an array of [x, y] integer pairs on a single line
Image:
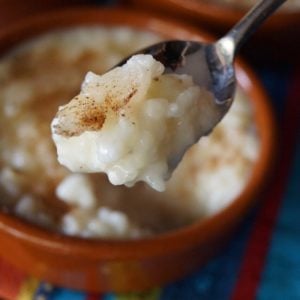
{"points": [[177, 240], [218, 13]]}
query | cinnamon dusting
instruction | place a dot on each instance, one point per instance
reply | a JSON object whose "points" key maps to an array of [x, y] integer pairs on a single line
{"points": [[85, 114]]}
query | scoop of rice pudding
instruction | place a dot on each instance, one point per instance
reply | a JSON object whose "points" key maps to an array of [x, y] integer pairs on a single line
{"points": [[43, 74], [132, 123]]}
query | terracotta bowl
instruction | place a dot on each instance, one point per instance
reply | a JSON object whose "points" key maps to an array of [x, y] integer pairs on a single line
{"points": [[13, 10], [277, 40], [103, 265], [218, 15]]}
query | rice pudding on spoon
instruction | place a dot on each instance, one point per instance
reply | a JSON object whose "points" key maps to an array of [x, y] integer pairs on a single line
{"points": [[135, 122]]}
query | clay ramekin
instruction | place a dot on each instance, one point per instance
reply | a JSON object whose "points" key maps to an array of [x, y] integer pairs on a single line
{"points": [[217, 15], [13, 10], [278, 39], [105, 265]]}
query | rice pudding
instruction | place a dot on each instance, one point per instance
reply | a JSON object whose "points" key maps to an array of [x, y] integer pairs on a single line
{"points": [[45, 73], [133, 123]]}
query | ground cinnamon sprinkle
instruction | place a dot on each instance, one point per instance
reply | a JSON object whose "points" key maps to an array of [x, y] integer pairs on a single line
{"points": [[87, 115]]}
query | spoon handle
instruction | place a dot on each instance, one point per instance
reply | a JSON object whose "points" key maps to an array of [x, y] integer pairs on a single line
{"points": [[251, 21]]}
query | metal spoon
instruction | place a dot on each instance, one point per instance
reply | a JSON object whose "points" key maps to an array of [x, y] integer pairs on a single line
{"points": [[211, 65]]}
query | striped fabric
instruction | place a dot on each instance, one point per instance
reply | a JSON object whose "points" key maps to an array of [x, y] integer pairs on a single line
{"points": [[263, 259]]}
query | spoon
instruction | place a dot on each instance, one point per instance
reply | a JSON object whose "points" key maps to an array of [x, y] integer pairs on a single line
{"points": [[211, 64], [211, 67]]}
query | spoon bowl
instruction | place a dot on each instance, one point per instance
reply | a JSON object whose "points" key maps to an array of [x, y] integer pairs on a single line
{"points": [[215, 73], [211, 65]]}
